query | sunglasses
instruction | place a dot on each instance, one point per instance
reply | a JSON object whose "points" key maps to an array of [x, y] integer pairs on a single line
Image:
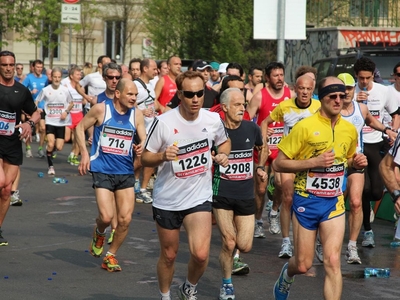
{"points": [[190, 95], [397, 74], [113, 77], [335, 96]]}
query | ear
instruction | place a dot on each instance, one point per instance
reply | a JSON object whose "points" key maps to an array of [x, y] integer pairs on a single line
{"points": [[224, 107]]}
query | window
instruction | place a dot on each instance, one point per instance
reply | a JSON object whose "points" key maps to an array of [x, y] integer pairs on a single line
{"points": [[369, 8], [114, 39]]}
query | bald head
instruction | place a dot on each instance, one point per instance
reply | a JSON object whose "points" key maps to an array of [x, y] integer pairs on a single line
{"points": [[121, 84], [304, 79]]}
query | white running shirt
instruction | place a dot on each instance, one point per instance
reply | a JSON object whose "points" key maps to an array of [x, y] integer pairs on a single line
{"points": [[185, 182]]}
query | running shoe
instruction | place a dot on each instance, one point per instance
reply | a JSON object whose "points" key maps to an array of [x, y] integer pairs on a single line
{"points": [[227, 292], [28, 152], [239, 267], [3, 241], [51, 171], [286, 250], [282, 287], [15, 200], [138, 199], [186, 293], [96, 246], [146, 197], [319, 250], [70, 157], [368, 240], [137, 186], [110, 239], [395, 243], [259, 230], [352, 255], [110, 263], [75, 161], [274, 226], [40, 152]]}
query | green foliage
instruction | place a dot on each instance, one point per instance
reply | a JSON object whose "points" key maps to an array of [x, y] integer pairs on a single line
{"points": [[206, 29]]}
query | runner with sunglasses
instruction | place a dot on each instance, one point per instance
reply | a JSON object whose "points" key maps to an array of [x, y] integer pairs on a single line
{"points": [[319, 149], [179, 144]]}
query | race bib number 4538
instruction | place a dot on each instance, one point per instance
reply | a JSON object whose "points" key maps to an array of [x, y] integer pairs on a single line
{"points": [[326, 182], [193, 159]]}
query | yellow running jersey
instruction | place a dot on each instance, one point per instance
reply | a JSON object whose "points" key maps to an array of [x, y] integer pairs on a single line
{"points": [[289, 113], [312, 137]]}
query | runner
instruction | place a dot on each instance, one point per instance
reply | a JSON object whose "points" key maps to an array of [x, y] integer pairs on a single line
{"points": [[261, 105], [15, 99], [111, 164], [319, 149], [233, 200], [57, 106], [179, 143], [288, 113]]}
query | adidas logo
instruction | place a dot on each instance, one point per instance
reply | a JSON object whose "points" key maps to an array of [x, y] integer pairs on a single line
{"points": [[204, 130], [247, 140]]}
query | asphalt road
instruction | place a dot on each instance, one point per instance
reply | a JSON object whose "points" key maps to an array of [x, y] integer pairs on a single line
{"points": [[47, 256]]}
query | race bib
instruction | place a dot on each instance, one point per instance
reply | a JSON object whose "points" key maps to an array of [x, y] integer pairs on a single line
{"points": [[326, 182], [77, 106], [376, 114], [193, 159], [240, 166], [116, 140], [7, 122], [54, 110], [275, 138]]}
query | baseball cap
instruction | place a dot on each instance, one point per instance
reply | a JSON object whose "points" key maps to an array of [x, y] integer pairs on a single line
{"points": [[222, 67], [347, 79], [214, 65], [200, 65]]}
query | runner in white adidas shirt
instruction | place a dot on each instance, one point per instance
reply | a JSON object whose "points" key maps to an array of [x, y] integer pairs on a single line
{"points": [[377, 100], [179, 142], [57, 106]]}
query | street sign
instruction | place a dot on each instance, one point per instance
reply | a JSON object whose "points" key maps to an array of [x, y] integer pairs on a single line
{"points": [[70, 13]]}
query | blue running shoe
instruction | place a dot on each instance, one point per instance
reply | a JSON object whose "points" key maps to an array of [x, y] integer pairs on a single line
{"points": [[282, 287]]}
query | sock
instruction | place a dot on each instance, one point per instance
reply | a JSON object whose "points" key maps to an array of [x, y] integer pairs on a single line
{"points": [[98, 232], [28, 147], [274, 212], [286, 277], [236, 255], [260, 221], [72, 154], [352, 243], [143, 190], [227, 280], [109, 253], [286, 240], [190, 286], [165, 296], [368, 231]]}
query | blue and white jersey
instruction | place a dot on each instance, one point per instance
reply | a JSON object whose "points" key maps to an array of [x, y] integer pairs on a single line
{"points": [[111, 151], [357, 119]]}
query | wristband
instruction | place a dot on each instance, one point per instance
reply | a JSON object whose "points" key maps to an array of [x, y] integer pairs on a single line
{"points": [[385, 130], [261, 167], [67, 111], [31, 123]]}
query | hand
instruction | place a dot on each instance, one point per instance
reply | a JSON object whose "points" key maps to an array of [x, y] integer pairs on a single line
{"points": [[26, 131], [362, 96], [326, 159], [138, 148], [171, 153], [84, 164], [63, 116], [262, 174], [221, 159], [34, 91], [270, 131], [359, 161]]}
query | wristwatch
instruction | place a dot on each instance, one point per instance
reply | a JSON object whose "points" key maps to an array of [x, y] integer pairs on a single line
{"points": [[395, 195], [31, 123], [261, 167]]}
